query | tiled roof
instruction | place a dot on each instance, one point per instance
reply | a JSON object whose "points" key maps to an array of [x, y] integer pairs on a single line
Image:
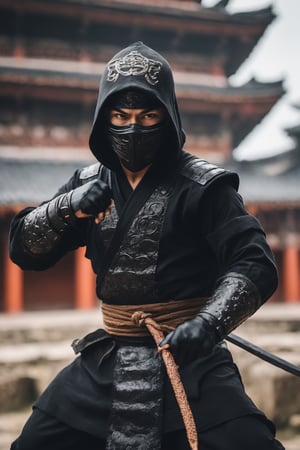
{"points": [[30, 182], [258, 187], [78, 76]]}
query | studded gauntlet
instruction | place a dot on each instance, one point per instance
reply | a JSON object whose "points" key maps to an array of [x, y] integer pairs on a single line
{"points": [[235, 299], [44, 226]]}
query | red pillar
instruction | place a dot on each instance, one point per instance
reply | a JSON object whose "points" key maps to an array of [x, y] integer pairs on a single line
{"points": [[291, 273], [13, 286], [252, 209], [85, 290]]}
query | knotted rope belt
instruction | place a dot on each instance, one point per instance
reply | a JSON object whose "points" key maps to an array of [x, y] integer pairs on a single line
{"points": [[157, 319]]}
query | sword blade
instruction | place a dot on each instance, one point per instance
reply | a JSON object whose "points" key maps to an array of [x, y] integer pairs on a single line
{"points": [[263, 354]]}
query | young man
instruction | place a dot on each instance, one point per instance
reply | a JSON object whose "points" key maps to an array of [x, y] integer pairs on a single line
{"points": [[166, 233]]}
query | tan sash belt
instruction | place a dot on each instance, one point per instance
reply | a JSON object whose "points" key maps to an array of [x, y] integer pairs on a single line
{"points": [[117, 319]]}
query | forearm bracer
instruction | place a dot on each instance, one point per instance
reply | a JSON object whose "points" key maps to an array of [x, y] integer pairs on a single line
{"points": [[234, 300], [44, 227]]}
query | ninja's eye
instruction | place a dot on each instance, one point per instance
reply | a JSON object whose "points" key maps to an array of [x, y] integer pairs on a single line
{"points": [[118, 115], [155, 115]]}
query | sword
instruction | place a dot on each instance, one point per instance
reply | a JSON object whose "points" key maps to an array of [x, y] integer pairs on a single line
{"points": [[263, 354]]}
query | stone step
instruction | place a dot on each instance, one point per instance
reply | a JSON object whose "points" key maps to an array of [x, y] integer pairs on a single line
{"points": [[274, 390], [35, 353], [48, 326], [274, 318], [68, 324], [283, 345], [26, 370], [273, 342]]}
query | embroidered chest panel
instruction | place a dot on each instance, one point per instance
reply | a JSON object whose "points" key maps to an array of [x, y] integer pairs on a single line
{"points": [[131, 276]]}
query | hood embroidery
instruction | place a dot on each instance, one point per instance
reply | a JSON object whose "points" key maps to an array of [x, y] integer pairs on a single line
{"points": [[134, 63]]}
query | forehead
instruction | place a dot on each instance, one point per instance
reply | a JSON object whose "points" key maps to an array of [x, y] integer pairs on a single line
{"points": [[136, 110], [132, 99]]}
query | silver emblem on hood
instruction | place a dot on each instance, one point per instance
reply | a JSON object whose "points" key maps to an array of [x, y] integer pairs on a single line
{"points": [[134, 63]]}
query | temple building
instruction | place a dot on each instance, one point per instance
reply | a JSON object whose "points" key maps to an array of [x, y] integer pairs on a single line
{"points": [[52, 56]]}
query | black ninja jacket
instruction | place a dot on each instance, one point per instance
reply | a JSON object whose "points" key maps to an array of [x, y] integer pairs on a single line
{"points": [[182, 228]]}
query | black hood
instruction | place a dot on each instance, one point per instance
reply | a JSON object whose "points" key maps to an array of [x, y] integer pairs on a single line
{"points": [[137, 67]]}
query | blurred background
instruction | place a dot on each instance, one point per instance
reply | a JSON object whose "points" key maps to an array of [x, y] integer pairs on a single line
{"points": [[237, 72]]}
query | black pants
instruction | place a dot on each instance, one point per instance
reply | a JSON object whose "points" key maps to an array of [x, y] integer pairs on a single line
{"points": [[43, 432]]}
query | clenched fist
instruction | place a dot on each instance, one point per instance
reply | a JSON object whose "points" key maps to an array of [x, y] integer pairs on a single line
{"points": [[91, 199]]}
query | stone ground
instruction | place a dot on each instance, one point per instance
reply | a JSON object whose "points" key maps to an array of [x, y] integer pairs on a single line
{"points": [[33, 347]]}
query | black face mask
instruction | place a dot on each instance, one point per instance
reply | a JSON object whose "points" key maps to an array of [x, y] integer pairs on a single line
{"points": [[135, 145]]}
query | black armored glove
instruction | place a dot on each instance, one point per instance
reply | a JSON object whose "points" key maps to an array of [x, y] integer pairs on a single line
{"points": [[192, 339], [234, 300], [91, 198]]}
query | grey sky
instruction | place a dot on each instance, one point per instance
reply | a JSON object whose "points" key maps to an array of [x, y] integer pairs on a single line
{"points": [[275, 57]]}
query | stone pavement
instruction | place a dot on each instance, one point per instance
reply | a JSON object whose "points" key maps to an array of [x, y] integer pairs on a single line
{"points": [[35, 345]]}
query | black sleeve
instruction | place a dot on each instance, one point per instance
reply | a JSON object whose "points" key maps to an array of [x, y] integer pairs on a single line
{"points": [[71, 238], [238, 241]]}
